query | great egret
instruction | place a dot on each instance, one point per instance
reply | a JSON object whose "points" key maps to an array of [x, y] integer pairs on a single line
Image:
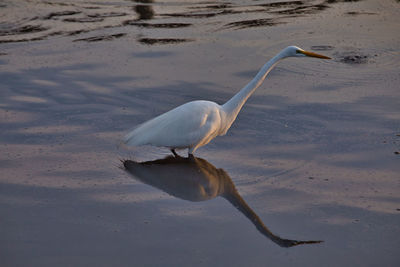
{"points": [[196, 123]]}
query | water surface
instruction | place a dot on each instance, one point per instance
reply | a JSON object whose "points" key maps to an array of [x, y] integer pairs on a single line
{"points": [[313, 154]]}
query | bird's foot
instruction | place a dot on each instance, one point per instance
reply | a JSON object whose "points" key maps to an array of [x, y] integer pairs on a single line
{"points": [[190, 156]]}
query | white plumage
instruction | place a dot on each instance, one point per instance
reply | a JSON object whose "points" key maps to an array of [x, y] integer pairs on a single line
{"points": [[196, 123], [192, 125]]}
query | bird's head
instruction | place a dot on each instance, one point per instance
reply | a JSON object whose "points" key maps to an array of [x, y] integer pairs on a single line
{"points": [[294, 51]]}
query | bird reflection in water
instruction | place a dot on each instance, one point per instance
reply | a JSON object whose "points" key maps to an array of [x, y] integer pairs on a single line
{"points": [[196, 179]]}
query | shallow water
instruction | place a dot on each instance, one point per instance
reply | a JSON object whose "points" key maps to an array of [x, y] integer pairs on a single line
{"points": [[312, 154]]}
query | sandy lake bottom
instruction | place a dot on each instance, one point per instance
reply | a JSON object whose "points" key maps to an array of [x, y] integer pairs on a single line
{"points": [[313, 155]]}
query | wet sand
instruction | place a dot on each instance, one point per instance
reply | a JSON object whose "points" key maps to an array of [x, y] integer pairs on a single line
{"points": [[313, 154]]}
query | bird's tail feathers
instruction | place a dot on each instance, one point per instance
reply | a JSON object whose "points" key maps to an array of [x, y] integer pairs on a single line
{"points": [[139, 135]]}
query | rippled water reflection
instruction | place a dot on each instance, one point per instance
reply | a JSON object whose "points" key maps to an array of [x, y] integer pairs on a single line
{"points": [[38, 19]]}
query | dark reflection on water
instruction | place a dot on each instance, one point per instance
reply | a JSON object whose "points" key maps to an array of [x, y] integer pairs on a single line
{"points": [[72, 18], [102, 38], [156, 25], [252, 23], [145, 12], [22, 30], [195, 179], [153, 41], [55, 15]]}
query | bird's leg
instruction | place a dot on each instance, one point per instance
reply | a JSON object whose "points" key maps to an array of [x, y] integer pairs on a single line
{"points": [[174, 152], [190, 152]]}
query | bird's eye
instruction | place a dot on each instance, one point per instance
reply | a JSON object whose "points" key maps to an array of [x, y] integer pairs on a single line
{"points": [[298, 52]]}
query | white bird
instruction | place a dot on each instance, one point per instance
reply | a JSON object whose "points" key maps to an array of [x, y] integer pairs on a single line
{"points": [[196, 123]]}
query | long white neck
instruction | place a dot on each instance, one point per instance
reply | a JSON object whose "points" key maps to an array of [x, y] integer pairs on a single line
{"points": [[234, 105]]}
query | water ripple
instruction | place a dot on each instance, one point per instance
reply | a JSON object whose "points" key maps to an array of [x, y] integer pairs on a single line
{"points": [[79, 17]]}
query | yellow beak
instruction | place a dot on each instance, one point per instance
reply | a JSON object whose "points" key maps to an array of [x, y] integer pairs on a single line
{"points": [[312, 54]]}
